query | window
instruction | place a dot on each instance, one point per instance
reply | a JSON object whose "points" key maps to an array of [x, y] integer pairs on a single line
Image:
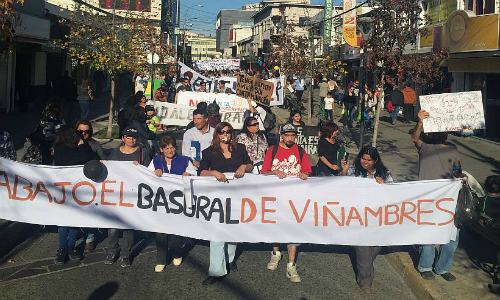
{"points": [[481, 7]]}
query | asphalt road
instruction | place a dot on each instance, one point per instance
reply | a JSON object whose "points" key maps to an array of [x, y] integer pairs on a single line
{"points": [[326, 271]]}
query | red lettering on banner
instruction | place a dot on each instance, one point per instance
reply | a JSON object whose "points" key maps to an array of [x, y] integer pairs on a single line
{"points": [[405, 214], [388, 213], [123, 204], [354, 215], [6, 183], [327, 211], [27, 188], [63, 191], [192, 103], [296, 214], [40, 188], [446, 211], [253, 210], [83, 183], [377, 213], [264, 210], [105, 190], [316, 214], [424, 212]]}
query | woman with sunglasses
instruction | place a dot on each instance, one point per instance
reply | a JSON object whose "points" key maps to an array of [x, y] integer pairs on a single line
{"points": [[85, 130], [255, 142], [224, 156], [349, 102]]}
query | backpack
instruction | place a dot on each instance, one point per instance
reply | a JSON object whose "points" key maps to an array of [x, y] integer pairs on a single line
{"points": [[269, 121], [275, 150], [32, 156]]}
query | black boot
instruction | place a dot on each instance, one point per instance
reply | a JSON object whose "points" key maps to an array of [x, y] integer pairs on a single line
{"points": [[61, 256], [73, 255]]}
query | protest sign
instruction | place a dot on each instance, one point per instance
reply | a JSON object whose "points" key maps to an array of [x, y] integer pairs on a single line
{"points": [[277, 94], [250, 87], [182, 115], [227, 102], [217, 64], [194, 77], [230, 82], [308, 138], [453, 111], [255, 208]]}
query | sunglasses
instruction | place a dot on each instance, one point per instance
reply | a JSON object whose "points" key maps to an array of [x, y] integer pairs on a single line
{"points": [[84, 131], [225, 131], [254, 124], [130, 137]]}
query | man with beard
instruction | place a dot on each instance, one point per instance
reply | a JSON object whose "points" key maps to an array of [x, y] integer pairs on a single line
{"points": [[198, 138], [282, 160]]}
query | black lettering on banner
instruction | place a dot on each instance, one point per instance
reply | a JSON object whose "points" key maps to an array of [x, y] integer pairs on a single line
{"points": [[148, 198], [217, 209], [161, 200], [171, 197], [193, 207], [228, 213], [201, 208], [308, 138]]}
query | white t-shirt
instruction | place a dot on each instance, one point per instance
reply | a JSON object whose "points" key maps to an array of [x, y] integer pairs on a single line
{"points": [[329, 103]]}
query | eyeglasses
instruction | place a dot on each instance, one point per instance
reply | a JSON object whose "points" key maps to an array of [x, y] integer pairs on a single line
{"points": [[222, 132], [84, 131], [254, 124]]}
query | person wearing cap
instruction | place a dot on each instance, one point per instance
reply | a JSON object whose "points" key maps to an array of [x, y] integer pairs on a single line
{"points": [[152, 120], [221, 88], [130, 151], [283, 160]]}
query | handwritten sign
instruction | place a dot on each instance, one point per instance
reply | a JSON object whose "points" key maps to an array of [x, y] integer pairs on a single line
{"points": [[258, 90], [453, 111]]}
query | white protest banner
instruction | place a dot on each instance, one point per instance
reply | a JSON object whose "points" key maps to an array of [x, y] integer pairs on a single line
{"points": [[230, 82], [181, 115], [256, 208], [277, 94], [453, 111], [227, 102], [194, 77], [217, 64]]}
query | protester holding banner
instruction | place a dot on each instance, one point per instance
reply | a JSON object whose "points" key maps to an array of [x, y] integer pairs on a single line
{"points": [[203, 87], [438, 159], [221, 88], [225, 155], [328, 148], [69, 150], [255, 142], [286, 159], [367, 164], [185, 86], [130, 151], [85, 130], [198, 138], [169, 162]]}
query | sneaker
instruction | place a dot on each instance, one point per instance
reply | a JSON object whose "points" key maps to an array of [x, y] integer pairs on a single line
{"points": [[159, 268], [448, 276], [61, 256], [177, 261], [125, 262], [110, 259], [275, 259], [291, 272], [427, 275], [366, 289], [73, 255]]}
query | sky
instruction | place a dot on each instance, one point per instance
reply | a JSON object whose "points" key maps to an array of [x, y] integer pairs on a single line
{"points": [[204, 18]]}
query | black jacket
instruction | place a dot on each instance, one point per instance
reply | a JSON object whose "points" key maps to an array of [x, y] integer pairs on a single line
{"points": [[397, 98]]}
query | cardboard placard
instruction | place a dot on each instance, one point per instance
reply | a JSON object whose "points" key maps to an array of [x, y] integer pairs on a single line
{"points": [[258, 90]]}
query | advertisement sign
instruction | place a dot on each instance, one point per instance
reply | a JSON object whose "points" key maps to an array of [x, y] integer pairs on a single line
{"points": [[453, 111], [349, 23], [327, 28], [132, 5]]}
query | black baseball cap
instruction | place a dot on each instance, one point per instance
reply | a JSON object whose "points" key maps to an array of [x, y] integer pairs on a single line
{"points": [[131, 132], [149, 108]]}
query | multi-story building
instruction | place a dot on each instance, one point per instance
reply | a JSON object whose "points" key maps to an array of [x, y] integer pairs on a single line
{"points": [[470, 30], [202, 47], [227, 18]]}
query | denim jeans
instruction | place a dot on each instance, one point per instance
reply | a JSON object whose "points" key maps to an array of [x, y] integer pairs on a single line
{"points": [[394, 114], [444, 260], [67, 236], [220, 254], [348, 117], [85, 109]]}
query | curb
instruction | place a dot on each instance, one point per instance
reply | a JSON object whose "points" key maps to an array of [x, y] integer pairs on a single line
{"points": [[422, 288], [14, 234]]}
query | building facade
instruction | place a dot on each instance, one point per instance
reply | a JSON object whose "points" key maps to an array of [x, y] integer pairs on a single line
{"points": [[227, 18], [203, 47]]}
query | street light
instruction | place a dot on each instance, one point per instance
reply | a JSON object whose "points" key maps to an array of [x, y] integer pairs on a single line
{"points": [[184, 31]]}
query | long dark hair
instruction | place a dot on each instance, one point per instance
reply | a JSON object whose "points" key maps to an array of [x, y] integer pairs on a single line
{"points": [[67, 136], [139, 114], [86, 123], [247, 122], [216, 140], [379, 167]]}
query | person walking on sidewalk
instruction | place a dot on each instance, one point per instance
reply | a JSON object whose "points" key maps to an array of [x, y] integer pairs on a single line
{"points": [[132, 152], [283, 160], [84, 97], [409, 103], [438, 159], [367, 164], [349, 105], [69, 150], [398, 100]]}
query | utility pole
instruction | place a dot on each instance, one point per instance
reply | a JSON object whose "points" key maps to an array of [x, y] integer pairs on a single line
{"points": [[362, 80], [311, 86]]}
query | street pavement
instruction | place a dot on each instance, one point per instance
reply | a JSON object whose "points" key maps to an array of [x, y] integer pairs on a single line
{"points": [[326, 271]]}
